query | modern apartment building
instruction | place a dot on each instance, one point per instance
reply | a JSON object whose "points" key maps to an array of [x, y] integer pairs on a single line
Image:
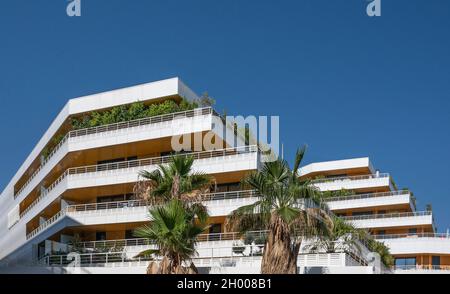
{"points": [[360, 194], [77, 188]]}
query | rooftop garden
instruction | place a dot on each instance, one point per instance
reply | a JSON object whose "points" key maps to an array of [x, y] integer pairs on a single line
{"points": [[124, 113]]}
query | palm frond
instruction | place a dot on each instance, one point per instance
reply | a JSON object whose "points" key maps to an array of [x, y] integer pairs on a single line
{"points": [[147, 253], [298, 160]]}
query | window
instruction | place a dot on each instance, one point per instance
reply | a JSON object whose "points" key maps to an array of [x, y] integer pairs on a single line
{"points": [[231, 187], [41, 249], [234, 187], [170, 153], [381, 232], [435, 261], [221, 188], [110, 161], [114, 198], [412, 231], [129, 234], [214, 231], [362, 213], [336, 176], [100, 236], [405, 263]]}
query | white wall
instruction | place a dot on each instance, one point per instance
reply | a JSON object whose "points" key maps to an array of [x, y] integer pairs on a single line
{"points": [[370, 202], [414, 245]]}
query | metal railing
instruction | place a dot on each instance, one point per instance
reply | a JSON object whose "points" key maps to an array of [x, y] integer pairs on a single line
{"points": [[425, 267], [412, 236], [163, 160], [94, 259], [115, 127], [387, 215], [95, 207], [350, 178], [147, 242], [229, 195], [258, 236], [48, 223], [140, 163], [106, 206], [90, 259], [142, 122], [366, 196], [44, 193], [130, 204], [116, 243]]}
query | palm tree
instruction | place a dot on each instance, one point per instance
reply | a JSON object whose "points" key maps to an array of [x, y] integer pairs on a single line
{"points": [[378, 247], [342, 236], [279, 210], [176, 180], [178, 190], [383, 251], [174, 233]]}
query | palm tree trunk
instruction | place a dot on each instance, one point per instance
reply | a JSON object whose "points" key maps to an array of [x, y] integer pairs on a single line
{"points": [[279, 256], [176, 187]]}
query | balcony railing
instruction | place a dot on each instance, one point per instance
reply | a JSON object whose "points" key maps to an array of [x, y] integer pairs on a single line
{"points": [[258, 236], [129, 204], [115, 127], [47, 224], [140, 163], [147, 242], [106, 206], [387, 215], [422, 267], [412, 236], [162, 160], [350, 178], [45, 193], [229, 195], [94, 207], [366, 196], [118, 258], [90, 259]]}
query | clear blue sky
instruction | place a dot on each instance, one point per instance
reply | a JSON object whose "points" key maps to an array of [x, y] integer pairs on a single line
{"points": [[345, 84]]}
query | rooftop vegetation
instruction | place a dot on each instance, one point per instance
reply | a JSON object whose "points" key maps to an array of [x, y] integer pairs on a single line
{"points": [[123, 113]]}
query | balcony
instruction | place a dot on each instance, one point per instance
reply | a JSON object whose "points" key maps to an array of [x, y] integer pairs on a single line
{"points": [[140, 242], [373, 181], [422, 269], [210, 162], [192, 121], [397, 198], [218, 204], [429, 243], [217, 245], [213, 264], [424, 218]]}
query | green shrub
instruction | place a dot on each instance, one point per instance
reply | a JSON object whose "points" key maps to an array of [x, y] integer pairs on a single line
{"points": [[53, 143], [122, 113], [339, 193], [134, 111], [382, 250]]}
